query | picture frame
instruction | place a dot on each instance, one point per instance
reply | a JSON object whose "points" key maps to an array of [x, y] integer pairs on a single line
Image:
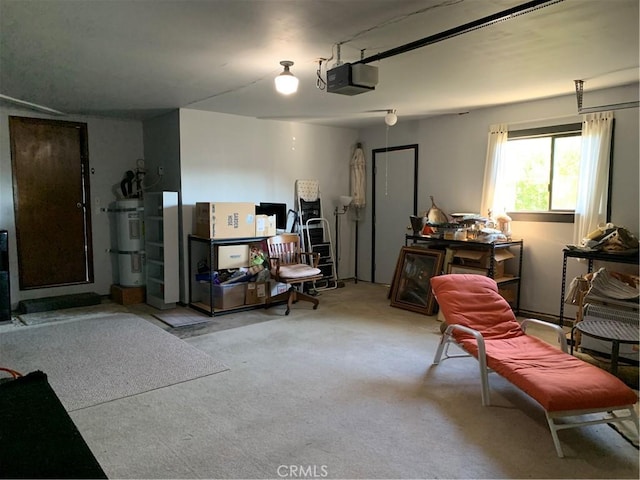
{"points": [[292, 222], [411, 287], [464, 269]]}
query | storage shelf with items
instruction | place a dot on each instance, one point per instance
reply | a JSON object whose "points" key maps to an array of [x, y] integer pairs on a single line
{"points": [[161, 247], [591, 257], [607, 323], [210, 258], [500, 260]]}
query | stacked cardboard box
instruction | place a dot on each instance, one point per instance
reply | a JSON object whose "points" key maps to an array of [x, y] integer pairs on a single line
{"points": [[265, 225], [225, 220], [482, 258], [257, 293]]}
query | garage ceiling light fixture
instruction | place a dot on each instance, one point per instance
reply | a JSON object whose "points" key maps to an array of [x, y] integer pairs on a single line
{"points": [[286, 82], [391, 118]]}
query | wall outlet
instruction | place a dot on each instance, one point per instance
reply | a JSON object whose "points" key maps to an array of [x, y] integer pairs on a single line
{"points": [[160, 170]]}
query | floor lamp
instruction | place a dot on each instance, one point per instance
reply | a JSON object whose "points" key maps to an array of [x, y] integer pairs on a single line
{"points": [[341, 209]]}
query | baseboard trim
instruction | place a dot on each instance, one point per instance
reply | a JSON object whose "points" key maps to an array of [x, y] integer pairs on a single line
{"points": [[546, 317]]}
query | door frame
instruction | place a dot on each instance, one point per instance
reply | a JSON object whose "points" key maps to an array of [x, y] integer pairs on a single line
{"points": [[374, 153]]}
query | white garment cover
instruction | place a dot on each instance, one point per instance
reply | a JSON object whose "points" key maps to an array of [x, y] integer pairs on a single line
{"points": [[358, 178]]}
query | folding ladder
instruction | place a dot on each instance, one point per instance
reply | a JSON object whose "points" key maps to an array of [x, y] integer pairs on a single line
{"points": [[315, 231]]}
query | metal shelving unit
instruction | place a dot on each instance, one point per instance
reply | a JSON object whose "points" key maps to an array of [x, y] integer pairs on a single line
{"points": [[513, 267], [630, 259], [161, 247], [201, 293]]}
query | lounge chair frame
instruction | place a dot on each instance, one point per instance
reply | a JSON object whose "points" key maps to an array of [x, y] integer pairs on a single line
{"points": [[442, 353]]}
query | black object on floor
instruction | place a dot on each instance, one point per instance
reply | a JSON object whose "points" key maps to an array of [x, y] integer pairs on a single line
{"points": [[38, 439], [5, 291], [58, 303]]}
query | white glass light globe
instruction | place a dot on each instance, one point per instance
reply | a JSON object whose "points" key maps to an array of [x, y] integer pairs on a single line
{"points": [[286, 83], [391, 119]]}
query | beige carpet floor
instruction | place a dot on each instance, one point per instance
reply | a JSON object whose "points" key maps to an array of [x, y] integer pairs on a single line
{"points": [[345, 391], [93, 359]]}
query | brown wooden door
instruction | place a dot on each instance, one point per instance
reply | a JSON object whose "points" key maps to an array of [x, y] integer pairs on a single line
{"points": [[51, 195]]}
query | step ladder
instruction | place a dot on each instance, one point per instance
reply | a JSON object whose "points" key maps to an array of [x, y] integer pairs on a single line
{"points": [[315, 231]]}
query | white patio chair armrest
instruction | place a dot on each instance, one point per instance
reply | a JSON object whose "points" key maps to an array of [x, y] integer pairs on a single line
{"points": [[482, 358], [476, 334], [562, 339]]}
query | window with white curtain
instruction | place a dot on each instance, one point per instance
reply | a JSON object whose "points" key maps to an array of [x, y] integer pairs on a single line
{"points": [[541, 171], [551, 174]]}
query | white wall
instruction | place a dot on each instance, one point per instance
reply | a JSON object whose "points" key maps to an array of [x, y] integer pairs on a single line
{"points": [[162, 149], [451, 168], [114, 147], [230, 158]]}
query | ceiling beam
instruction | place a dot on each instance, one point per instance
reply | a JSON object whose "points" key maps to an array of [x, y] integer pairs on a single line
{"points": [[462, 29]]}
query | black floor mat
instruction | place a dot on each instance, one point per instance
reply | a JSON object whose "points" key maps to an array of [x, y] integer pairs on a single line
{"points": [[38, 439]]}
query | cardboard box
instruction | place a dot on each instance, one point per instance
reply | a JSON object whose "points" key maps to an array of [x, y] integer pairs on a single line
{"points": [[481, 259], [472, 258], [500, 257], [233, 256], [128, 295], [257, 293], [265, 225], [224, 296], [225, 220], [508, 292]]}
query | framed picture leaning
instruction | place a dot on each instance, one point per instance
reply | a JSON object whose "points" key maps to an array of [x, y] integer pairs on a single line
{"points": [[411, 287]]}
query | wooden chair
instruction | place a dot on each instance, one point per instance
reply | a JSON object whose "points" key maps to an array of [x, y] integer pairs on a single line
{"points": [[290, 265]]}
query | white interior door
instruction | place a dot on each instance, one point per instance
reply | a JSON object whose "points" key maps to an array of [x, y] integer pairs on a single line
{"points": [[395, 173]]}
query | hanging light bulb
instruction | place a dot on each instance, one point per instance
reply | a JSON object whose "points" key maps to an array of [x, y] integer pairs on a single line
{"points": [[286, 82], [391, 118]]}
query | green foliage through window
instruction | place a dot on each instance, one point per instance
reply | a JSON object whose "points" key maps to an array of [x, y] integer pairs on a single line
{"points": [[542, 170]]}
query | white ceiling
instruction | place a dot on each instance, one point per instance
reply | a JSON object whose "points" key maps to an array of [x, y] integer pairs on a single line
{"points": [[140, 58]]}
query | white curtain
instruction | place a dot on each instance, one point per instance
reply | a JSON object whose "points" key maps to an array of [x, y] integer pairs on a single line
{"points": [[591, 206], [492, 199]]}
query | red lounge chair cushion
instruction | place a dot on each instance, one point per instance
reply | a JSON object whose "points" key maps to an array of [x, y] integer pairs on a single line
{"points": [[474, 301]]}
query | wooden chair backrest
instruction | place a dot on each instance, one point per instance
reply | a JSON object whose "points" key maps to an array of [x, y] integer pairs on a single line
{"points": [[286, 248]]}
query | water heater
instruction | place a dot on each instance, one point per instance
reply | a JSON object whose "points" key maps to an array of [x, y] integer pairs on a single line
{"points": [[130, 227]]}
